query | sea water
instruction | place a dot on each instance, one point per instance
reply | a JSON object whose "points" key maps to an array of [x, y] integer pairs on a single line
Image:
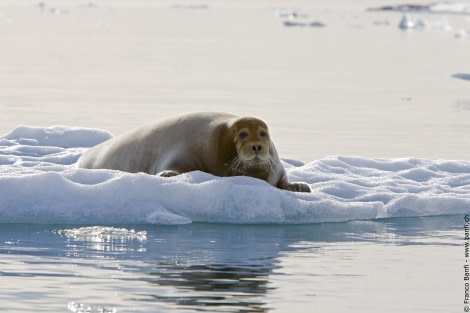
{"points": [[407, 264], [378, 115]]}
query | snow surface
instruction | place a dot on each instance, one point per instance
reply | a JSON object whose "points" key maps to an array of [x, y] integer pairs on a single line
{"points": [[40, 183]]}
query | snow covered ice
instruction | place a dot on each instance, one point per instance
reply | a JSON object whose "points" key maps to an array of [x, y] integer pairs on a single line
{"points": [[40, 183]]}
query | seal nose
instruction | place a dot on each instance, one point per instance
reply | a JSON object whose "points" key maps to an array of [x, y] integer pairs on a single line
{"points": [[257, 148]]}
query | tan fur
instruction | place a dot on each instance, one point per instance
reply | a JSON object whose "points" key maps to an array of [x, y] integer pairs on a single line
{"points": [[218, 143]]}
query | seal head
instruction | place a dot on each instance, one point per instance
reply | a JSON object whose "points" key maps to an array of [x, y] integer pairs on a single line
{"points": [[252, 143]]}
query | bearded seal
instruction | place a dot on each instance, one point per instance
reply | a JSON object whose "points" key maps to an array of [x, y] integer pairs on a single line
{"points": [[217, 143]]}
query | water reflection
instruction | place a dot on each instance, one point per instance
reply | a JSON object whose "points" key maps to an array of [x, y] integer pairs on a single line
{"points": [[208, 267], [230, 268], [104, 239], [234, 288]]}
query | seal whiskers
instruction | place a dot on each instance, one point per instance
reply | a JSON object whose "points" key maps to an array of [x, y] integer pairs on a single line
{"points": [[241, 166]]}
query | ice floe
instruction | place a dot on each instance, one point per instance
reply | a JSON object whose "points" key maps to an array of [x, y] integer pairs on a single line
{"points": [[40, 183]]}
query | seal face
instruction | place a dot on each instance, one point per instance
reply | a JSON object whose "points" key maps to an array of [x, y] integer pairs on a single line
{"points": [[217, 143], [252, 141]]}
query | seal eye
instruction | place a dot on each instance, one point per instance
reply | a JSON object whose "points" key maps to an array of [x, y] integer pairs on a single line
{"points": [[263, 134], [243, 135]]}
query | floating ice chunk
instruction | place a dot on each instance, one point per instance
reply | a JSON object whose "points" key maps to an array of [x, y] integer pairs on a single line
{"points": [[381, 23], [291, 23], [283, 13], [292, 18], [402, 8], [464, 76], [406, 23], [462, 33], [449, 7], [439, 7], [420, 24], [317, 24], [441, 24]]}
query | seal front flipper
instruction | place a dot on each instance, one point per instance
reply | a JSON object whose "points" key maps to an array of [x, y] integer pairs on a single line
{"points": [[298, 187], [168, 173]]}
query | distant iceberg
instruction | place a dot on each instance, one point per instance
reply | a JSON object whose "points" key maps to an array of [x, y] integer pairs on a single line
{"points": [[449, 7], [440, 7], [462, 33]]}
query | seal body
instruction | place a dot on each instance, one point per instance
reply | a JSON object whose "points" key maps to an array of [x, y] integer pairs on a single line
{"points": [[217, 143]]}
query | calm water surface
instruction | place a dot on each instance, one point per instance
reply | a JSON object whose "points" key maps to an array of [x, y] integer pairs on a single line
{"points": [[358, 86], [412, 265]]}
